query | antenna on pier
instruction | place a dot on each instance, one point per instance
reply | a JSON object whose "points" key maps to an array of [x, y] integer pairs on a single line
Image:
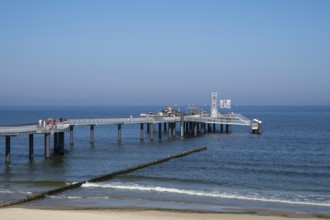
{"points": [[214, 108]]}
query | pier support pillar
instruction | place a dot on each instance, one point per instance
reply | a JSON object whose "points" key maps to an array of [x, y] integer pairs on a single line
{"points": [[221, 127], [203, 128], [187, 127], [7, 150], [228, 128], [169, 129], [61, 143], [31, 146], [165, 127], [141, 132], [151, 131], [92, 134], [209, 128], [173, 129], [195, 128], [56, 143], [119, 133], [214, 128], [160, 130], [47, 145], [182, 123], [71, 135], [182, 129]]}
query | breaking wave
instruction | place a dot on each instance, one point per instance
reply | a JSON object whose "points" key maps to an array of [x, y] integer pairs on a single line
{"points": [[200, 193]]}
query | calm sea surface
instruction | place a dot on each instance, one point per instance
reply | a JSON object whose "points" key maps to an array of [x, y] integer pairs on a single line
{"points": [[285, 168]]}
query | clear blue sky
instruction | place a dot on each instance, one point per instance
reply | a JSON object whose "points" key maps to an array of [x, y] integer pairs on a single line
{"points": [[164, 52]]}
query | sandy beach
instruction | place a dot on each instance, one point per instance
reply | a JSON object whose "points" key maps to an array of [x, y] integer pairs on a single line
{"points": [[126, 214]]}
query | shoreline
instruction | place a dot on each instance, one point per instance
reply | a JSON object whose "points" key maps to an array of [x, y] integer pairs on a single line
{"points": [[125, 213]]}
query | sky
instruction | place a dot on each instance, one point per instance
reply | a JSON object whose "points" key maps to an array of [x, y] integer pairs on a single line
{"points": [[274, 52]]}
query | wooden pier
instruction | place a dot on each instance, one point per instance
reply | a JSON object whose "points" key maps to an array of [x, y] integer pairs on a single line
{"points": [[188, 125]]}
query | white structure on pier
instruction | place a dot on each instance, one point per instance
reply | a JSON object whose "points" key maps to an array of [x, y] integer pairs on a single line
{"points": [[214, 107]]}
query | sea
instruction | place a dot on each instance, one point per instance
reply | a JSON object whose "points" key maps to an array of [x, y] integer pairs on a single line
{"points": [[286, 168]]}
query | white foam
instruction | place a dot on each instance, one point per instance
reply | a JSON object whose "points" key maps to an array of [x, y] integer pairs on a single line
{"points": [[200, 193], [7, 191], [61, 197]]}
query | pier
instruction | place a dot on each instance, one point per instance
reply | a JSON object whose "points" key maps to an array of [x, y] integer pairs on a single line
{"points": [[177, 123]]}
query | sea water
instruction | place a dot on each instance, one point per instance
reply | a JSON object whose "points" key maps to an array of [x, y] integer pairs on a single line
{"points": [[286, 168]]}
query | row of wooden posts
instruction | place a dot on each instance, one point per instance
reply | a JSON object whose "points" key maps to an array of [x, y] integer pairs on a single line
{"points": [[193, 128]]}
